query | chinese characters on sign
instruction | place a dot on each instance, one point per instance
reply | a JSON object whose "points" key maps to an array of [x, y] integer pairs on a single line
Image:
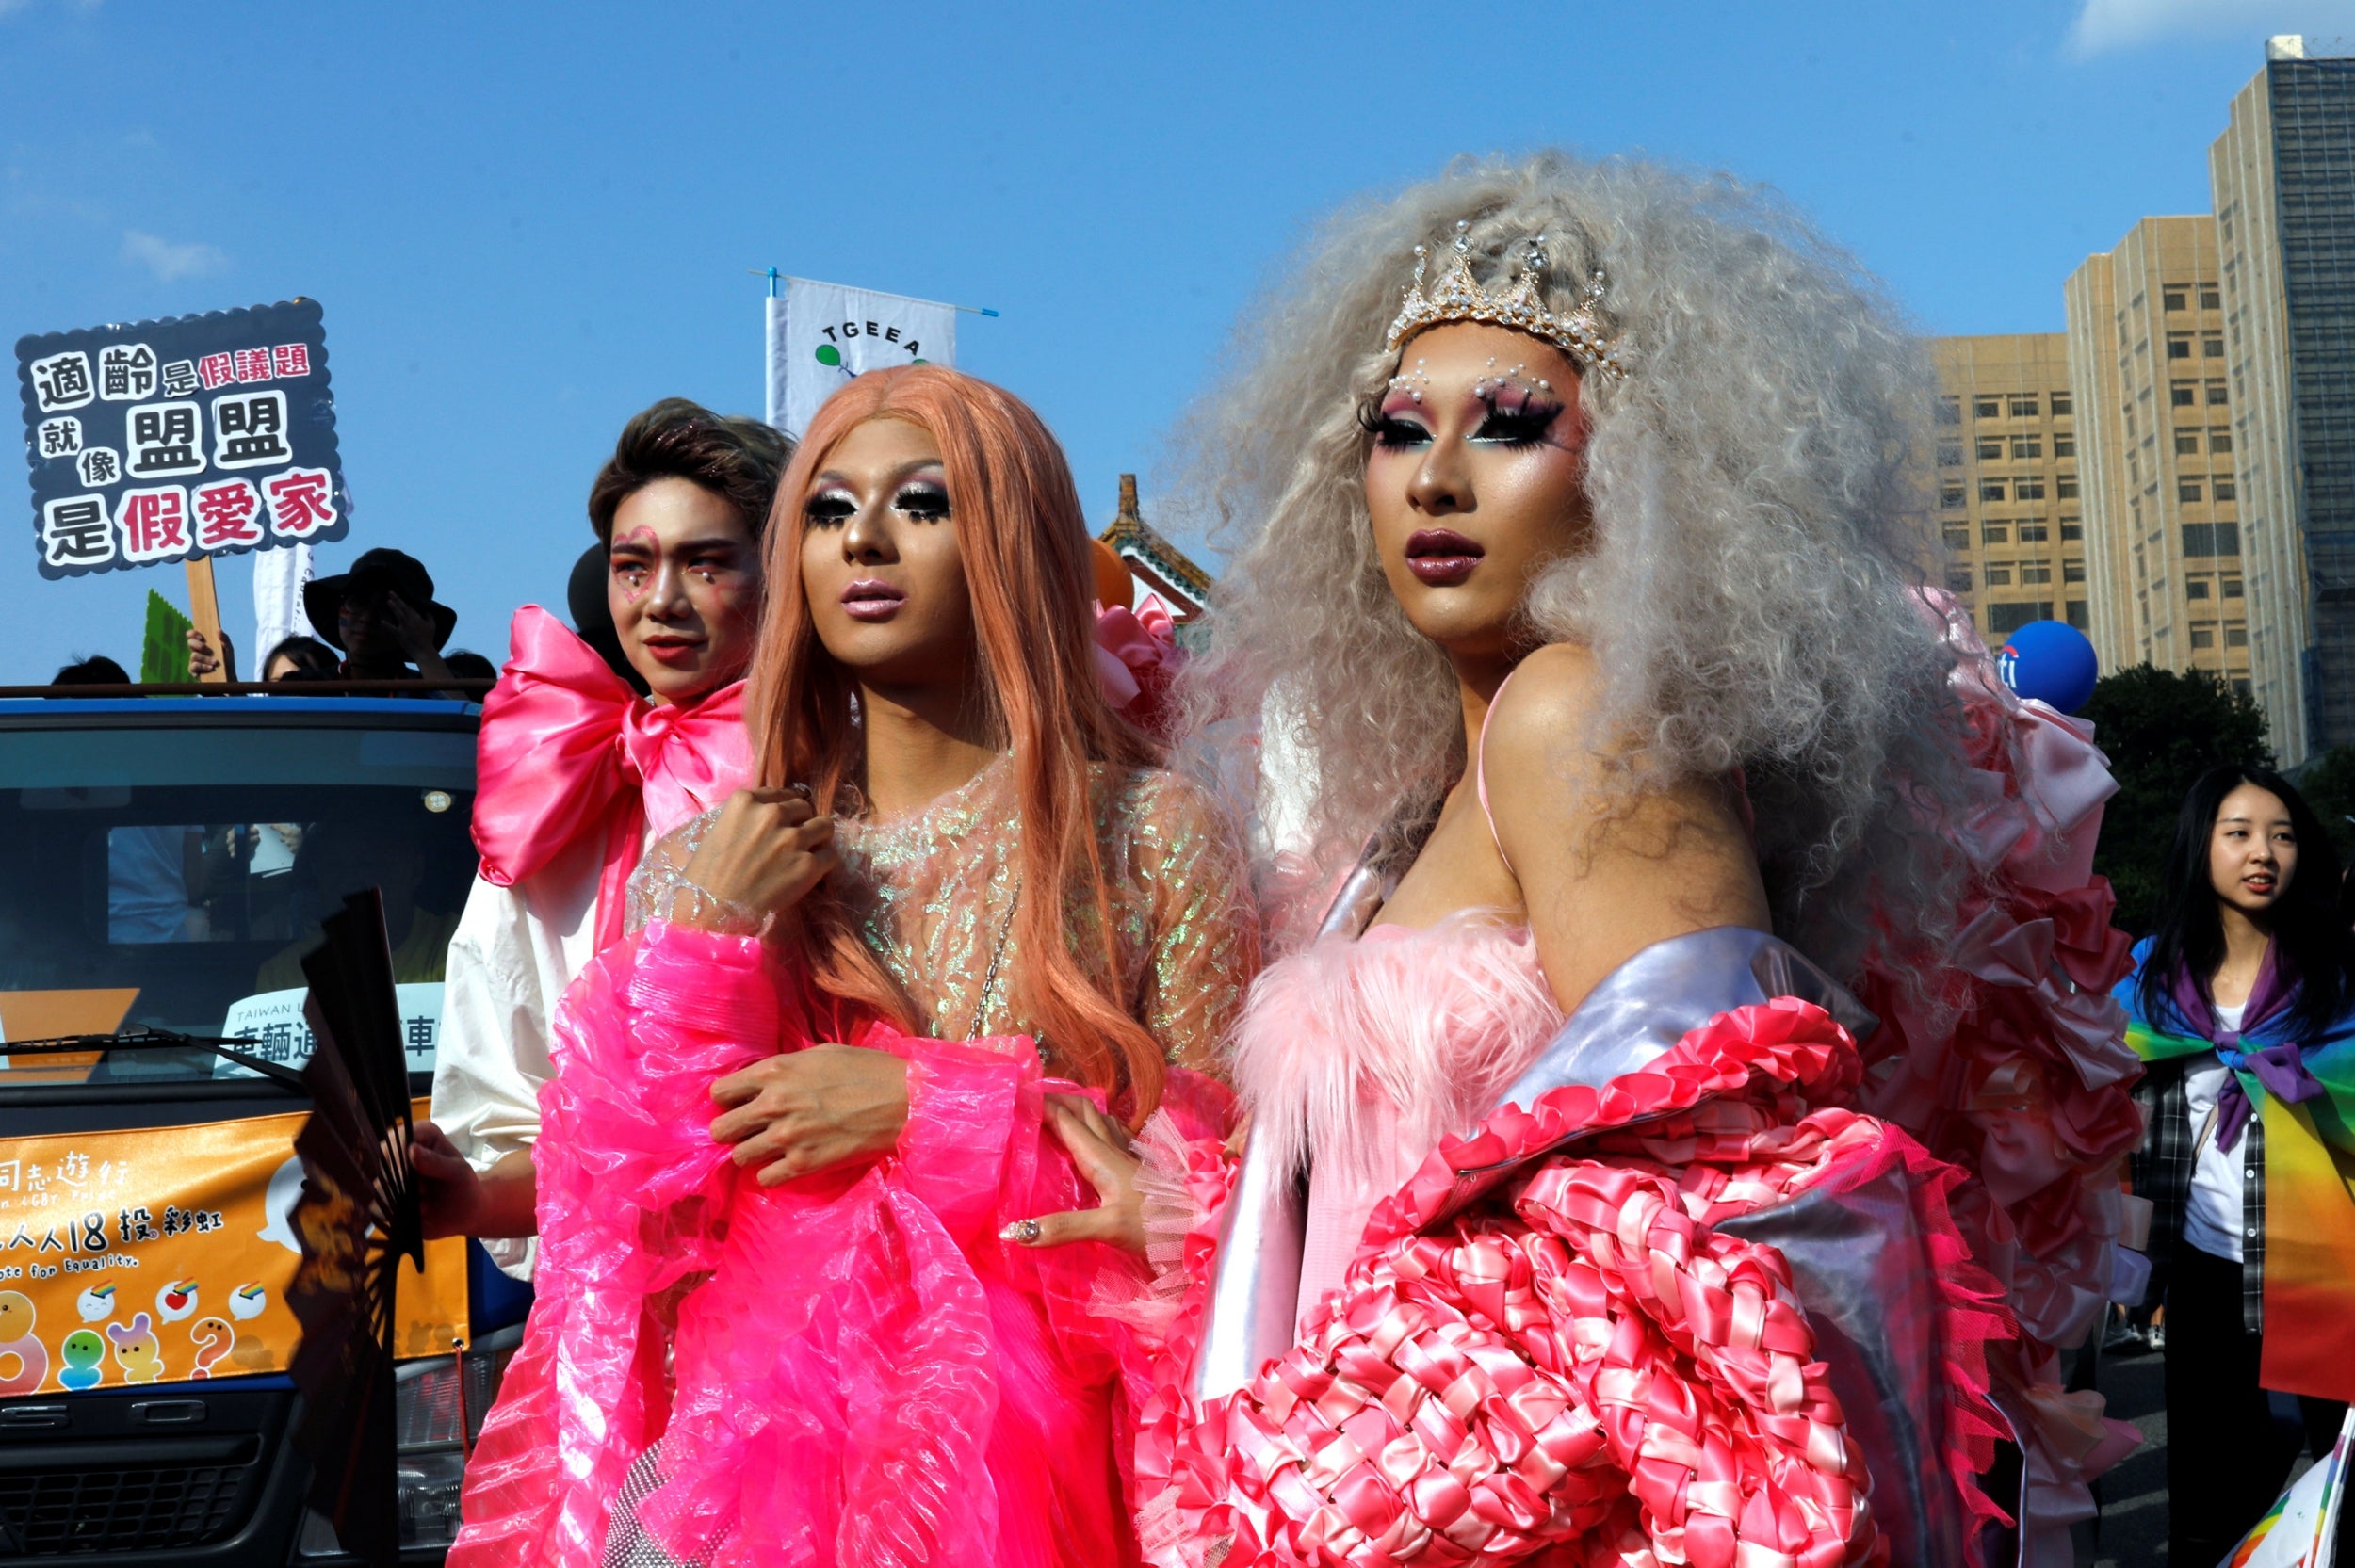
{"points": [[190, 436]]}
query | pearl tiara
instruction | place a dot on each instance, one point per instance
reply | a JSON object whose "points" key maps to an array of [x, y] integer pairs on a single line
{"points": [[1458, 297]]}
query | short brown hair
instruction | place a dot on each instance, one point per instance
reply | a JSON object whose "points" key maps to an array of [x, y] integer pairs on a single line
{"points": [[737, 458]]}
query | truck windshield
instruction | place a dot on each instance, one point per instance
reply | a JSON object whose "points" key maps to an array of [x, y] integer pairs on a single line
{"points": [[174, 876]]}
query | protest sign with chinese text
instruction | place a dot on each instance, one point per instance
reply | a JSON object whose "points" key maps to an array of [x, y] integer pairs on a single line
{"points": [[820, 335], [162, 1253], [181, 439]]}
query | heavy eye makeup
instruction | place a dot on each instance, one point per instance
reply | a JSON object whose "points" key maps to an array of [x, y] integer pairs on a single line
{"points": [[924, 499], [830, 508], [1512, 416]]}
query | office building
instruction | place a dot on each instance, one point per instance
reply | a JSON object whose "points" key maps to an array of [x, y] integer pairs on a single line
{"points": [[2283, 367], [2162, 536], [2006, 470]]}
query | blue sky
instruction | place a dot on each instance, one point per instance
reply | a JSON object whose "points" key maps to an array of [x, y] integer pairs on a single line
{"points": [[525, 223]]}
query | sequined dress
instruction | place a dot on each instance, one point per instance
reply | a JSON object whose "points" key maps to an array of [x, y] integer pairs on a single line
{"points": [[850, 1367]]}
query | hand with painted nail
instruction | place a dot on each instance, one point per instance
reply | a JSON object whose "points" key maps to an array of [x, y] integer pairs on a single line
{"points": [[1099, 1149]]}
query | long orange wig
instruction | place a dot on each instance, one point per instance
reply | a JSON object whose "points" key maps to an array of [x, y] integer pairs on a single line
{"points": [[1025, 546]]}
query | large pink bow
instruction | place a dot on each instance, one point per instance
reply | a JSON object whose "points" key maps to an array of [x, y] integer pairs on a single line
{"points": [[1137, 658], [566, 749]]}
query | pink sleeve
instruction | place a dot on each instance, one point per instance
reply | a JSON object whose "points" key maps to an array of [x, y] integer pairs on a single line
{"points": [[970, 1146]]}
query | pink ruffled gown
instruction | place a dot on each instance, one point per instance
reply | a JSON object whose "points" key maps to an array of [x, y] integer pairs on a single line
{"points": [[850, 1368], [1654, 1283]]}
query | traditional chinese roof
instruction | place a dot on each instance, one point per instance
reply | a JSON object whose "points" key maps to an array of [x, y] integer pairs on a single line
{"points": [[1161, 565]]}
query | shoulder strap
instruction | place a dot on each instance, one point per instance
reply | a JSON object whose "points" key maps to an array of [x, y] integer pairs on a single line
{"points": [[1480, 771]]}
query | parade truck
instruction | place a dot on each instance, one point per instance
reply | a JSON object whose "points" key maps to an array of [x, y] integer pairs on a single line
{"points": [[163, 863]]}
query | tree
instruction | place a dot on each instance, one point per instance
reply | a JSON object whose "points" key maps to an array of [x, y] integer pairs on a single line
{"points": [[2327, 781], [2161, 730]]}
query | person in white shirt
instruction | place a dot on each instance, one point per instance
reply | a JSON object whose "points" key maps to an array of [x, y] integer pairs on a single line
{"points": [[576, 774]]}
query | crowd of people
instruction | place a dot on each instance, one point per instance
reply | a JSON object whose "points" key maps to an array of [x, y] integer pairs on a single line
{"points": [[378, 622], [1577, 1027]]}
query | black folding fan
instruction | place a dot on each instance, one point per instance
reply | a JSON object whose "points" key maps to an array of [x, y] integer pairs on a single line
{"points": [[357, 1218]]}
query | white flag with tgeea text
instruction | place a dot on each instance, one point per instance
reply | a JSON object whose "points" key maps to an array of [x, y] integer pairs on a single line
{"points": [[821, 335]]}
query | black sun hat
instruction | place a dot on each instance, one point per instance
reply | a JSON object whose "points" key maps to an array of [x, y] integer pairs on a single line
{"points": [[376, 573]]}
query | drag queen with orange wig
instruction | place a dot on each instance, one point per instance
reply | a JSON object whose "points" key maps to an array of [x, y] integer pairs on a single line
{"points": [[1696, 1130], [794, 1109]]}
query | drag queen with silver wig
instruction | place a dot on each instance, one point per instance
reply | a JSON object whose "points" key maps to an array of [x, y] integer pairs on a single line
{"points": [[1695, 1130]]}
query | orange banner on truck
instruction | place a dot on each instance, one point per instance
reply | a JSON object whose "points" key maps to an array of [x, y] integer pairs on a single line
{"points": [[160, 1254]]}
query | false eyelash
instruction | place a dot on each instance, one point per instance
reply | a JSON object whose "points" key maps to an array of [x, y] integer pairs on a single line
{"points": [[925, 501], [830, 509]]}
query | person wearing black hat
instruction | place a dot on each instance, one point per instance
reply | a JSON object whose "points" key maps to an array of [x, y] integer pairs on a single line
{"points": [[383, 616]]}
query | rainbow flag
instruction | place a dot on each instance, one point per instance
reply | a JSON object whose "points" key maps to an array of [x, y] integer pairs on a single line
{"points": [[2298, 1532]]}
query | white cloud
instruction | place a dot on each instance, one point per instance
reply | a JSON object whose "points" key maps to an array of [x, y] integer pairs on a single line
{"points": [[2105, 26], [169, 262]]}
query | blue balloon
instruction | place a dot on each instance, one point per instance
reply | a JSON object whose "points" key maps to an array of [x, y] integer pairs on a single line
{"points": [[2050, 662]]}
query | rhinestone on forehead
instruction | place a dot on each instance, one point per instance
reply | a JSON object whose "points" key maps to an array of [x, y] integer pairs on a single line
{"points": [[1458, 297]]}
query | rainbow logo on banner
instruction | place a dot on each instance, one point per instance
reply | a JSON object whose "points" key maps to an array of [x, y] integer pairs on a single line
{"points": [[2298, 1532]]}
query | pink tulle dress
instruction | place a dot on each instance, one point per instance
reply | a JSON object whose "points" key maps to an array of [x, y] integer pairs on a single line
{"points": [[850, 1368], [1700, 1274]]}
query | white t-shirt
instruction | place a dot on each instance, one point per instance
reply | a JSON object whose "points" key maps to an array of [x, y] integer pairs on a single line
{"points": [[515, 951], [2213, 1220]]}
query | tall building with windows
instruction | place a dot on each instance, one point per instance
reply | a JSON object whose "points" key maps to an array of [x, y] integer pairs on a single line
{"points": [[2163, 545], [2279, 359], [2007, 480]]}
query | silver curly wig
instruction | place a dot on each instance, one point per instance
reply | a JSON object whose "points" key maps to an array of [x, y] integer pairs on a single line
{"points": [[1758, 532]]}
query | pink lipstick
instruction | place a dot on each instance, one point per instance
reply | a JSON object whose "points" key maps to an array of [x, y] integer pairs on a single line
{"points": [[872, 599]]}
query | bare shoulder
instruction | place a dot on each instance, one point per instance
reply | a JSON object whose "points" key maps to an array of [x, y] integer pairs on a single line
{"points": [[1549, 701]]}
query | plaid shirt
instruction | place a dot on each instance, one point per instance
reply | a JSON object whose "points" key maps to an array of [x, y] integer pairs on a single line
{"points": [[2161, 1171]]}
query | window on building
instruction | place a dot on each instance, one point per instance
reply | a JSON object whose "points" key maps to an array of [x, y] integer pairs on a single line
{"points": [[1950, 454], [2187, 490], [1958, 579], [1950, 497], [1995, 533], [2212, 346], [2065, 487], [2240, 685], [2236, 633], [2226, 489], [2064, 445], [2171, 298], [2026, 489], [1987, 408], [2022, 405], [2196, 588], [2028, 447], [1950, 411], [2003, 620], [1992, 447], [2209, 298], [1990, 490], [2073, 572], [2187, 441], [2203, 634], [2231, 586], [2072, 528], [2031, 533], [2077, 616], [2228, 538], [2216, 394], [2032, 573], [2179, 346], [2181, 395], [1999, 576], [2220, 439], [2063, 405], [2198, 540], [1958, 538]]}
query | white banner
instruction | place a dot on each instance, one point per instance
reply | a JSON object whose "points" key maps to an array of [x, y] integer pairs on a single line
{"points": [[274, 1022], [2302, 1526], [278, 579], [820, 335]]}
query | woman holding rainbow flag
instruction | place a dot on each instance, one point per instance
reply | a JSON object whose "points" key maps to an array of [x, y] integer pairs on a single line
{"points": [[2243, 1003]]}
